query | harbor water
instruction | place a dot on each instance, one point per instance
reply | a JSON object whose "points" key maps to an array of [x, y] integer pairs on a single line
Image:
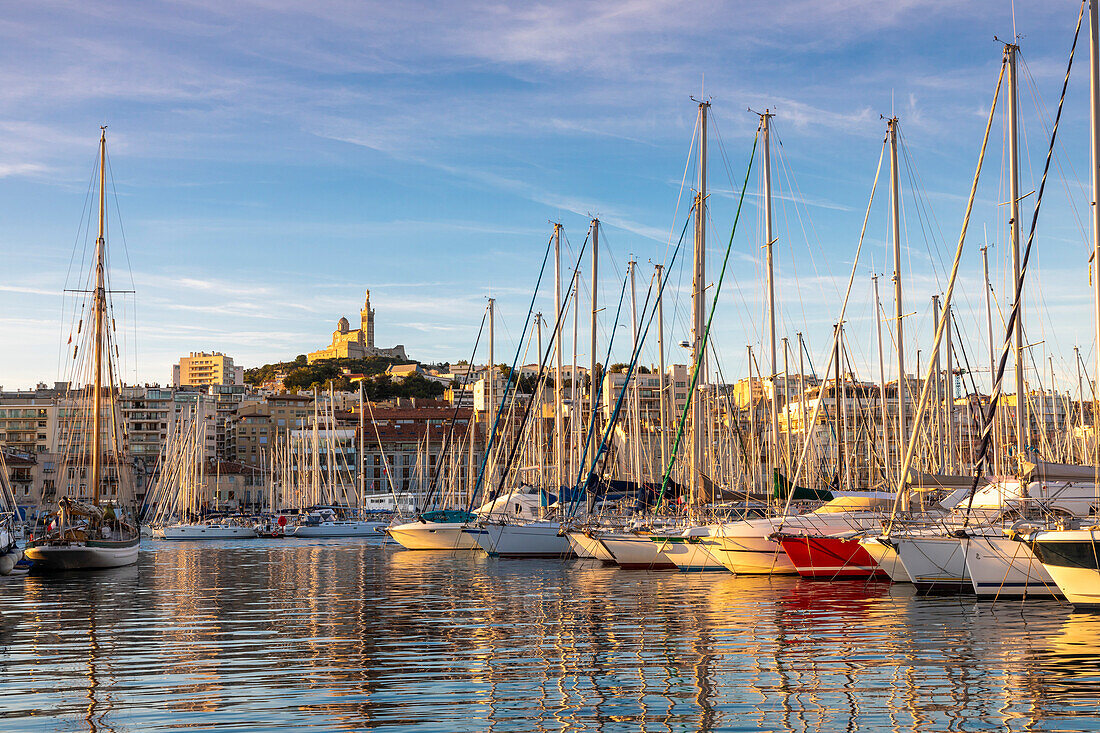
{"points": [[360, 635]]}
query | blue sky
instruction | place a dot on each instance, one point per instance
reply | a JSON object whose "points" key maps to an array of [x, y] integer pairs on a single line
{"points": [[273, 159]]}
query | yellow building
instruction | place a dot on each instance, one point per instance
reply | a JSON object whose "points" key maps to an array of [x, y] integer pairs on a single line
{"points": [[201, 369], [357, 344]]}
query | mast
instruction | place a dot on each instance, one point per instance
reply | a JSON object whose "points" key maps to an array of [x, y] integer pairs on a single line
{"points": [[838, 409], [661, 366], [1080, 454], [540, 434], [1023, 437], [938, 432], [574, 424], [895, 207], [362, 459], [802, 390], [557, 360], [99, 306], [592, 387], [768, 243], [882, 383], [786, 410], [635, 393], [949, 404], [698, 304], [491, 398], [1094, 109], [992, 361]]}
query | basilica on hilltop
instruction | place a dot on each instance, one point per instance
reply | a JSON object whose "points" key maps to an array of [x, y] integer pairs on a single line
{"points": [[357, 344]]}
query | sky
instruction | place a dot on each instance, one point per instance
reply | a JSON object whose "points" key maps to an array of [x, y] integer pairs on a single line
{"points": [[271, 160]]}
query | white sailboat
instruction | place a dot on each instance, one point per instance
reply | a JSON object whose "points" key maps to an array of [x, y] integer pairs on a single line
{"points": [[89, 535]]}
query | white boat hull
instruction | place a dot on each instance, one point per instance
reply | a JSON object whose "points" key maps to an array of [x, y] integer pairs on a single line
{"points": [[751, 555], [433, 536], [1070, 556], [206, 532], [589, 548], [936, 564], [80, 556], [885, 554], [338, 529], [637, 552], [691, 554], [534, 539], [1002, 567]]}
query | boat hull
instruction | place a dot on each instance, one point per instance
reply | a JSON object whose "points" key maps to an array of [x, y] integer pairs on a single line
{"points": [[337, 529], [1002, 567], [831, 558], [588, 548], [93, 555], [433, 536], [1070, 556], [534, 539], [690, 552], [885, 555], [637, 552], [205, 532], [936, 564]]}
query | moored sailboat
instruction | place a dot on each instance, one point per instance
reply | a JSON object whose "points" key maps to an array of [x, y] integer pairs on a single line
{"points": [[89, 535]]}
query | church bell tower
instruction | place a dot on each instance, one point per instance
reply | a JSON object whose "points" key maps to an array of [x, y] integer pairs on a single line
{"points": [[367, 316]]}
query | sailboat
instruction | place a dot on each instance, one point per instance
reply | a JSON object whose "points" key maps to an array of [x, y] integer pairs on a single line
{"points": [[9, 514], [1068, 549], [93, 534]]}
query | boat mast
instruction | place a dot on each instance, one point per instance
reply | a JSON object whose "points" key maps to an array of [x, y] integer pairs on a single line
{"points": [[1023, 437], [773, 443], [540, 433], [574, 424], [99, 306], [882, 384], [992, 361], [949, 387], [895, 206], [1094, 109], [661, 365], [362, 458], [698, 304], [937, 432], [557, 361], [592, 327], [490, 399], [635, 393], [786, 407]]}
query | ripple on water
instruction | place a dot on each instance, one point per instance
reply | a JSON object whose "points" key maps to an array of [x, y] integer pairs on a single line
{"points": [[325, 635]]}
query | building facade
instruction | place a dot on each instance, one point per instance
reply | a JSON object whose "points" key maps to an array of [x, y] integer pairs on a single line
{"points": [[202, 369]]}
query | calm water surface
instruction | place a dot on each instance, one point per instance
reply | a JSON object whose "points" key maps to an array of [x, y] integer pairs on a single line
{"points": [[356, 635]]}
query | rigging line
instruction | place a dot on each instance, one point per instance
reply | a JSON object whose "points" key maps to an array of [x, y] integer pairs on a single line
{"points": [[592, 478], [683, 185], [836, 331], [609, 428], [454, 417], [701, 356], [558, 324], [1014, 315], [1037, 99], [542, 369], [801, 210], [925, 216], [511, 374], [598, 394]]}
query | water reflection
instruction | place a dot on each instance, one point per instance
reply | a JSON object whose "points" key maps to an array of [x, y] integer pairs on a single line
{"points": [[356, 635]]}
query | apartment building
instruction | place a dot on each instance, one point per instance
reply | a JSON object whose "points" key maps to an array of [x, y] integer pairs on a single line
{"points": [[202, 369]]}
